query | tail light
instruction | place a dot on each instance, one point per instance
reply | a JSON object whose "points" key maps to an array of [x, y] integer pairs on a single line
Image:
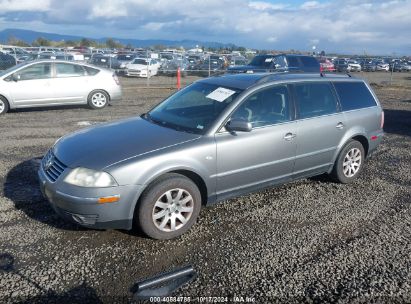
{"points": [[116, 79], [382, 119]]}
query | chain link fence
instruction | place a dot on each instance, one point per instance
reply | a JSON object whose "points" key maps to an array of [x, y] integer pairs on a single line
{"points": [[147, 69]]}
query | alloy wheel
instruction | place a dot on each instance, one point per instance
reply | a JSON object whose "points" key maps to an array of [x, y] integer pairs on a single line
{"points": [[172, 210], [352, 162]]}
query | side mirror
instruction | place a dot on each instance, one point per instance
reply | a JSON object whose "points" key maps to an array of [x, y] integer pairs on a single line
{"points": [[238, 124], [16, 77]]}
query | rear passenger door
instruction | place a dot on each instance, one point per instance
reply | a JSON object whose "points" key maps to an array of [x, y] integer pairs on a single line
{"points": [[71, 83], [320, 127]]}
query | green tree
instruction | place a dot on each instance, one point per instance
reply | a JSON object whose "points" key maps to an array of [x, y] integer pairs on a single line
{"points": [[40, 41]]}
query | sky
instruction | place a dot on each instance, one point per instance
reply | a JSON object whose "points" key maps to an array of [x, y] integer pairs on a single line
{"points": [[362, 26]]}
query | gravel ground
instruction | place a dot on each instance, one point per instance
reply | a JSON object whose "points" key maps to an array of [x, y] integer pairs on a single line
{"points": [[309, 241]]}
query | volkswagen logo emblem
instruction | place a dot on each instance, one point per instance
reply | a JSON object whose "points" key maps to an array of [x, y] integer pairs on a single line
{"points": [[48, 163]]}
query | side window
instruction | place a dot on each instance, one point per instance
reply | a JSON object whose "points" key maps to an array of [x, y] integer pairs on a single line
{"points": [[69, 70], [314, 99], [354, 95], [266, 107], [279, 62], [36, 71], [91, 71]]}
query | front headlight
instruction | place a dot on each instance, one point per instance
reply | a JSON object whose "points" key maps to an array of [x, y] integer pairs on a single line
{"points": [[84, 177]]}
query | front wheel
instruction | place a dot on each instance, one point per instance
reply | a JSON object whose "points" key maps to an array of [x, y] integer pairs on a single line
{"points": [[349, 163], [168, 207], [98, 99]]}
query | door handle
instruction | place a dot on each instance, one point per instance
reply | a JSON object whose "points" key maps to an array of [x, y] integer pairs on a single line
{"points": [[340, 125], [289, 136]]}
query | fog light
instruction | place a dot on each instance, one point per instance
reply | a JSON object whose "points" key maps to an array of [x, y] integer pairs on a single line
{"points": [[109, 199]]}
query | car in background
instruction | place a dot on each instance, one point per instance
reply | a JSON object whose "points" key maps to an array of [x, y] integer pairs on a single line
{"points": [[208, 67], [238, 61], [218, 138], [170, 68], [326, 65], [275, 63], [353, 66], [123, 60], [369, 65], [7, 61], [57, 82], [404, 66], [383, 66], [105, 61], [141, 67], [55, 56]]}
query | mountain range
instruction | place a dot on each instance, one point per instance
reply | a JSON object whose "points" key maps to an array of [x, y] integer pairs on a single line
{"points": [[29, 36]]}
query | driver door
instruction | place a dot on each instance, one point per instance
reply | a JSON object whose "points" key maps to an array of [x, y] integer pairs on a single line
{"points": [[33, 85], [264, 156]]}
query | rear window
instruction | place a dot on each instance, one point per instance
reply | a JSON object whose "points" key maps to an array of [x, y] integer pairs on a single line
{"points": [[354, 95], [91, 71], [309, 61]]}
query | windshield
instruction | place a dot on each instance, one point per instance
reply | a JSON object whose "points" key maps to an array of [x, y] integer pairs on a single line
{"points": [[140, 61], [194, 108], [263, 61], [125, 57]]}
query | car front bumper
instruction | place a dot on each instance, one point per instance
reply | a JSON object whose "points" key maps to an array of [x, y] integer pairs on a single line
{"points": [[80, 205]]}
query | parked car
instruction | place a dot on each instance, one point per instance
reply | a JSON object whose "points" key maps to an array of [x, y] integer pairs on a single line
{"points": [[282, 62], [382, 66], [158, 170], [6, 61], [369, 66], [353, 66], [141, 67], [123, 60], [238, 61], [169, 68], [58, 56], [105, 61], [326, 65], [57, 82], [208, 67]]}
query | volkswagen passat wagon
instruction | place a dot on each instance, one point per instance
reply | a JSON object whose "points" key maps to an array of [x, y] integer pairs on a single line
{"points": [[57, 82], [217, 138]]}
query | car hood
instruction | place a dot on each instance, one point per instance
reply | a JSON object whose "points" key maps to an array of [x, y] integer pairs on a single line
{"points": [[137, 66], [101, 146]]}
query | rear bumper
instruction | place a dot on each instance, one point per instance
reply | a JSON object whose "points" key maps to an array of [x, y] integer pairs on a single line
{"points": [[373, 142]]}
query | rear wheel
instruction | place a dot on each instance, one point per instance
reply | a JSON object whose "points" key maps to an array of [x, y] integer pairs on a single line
{"points": [[98, 99], [168, 207], [349, 163], [4, 105]]}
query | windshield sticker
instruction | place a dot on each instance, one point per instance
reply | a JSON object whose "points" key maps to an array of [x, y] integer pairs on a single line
{"points": [[268, 59], [200, 127], [220, 94]]}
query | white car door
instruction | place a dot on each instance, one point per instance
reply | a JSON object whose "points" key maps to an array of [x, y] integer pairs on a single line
{"points": [[71, 83], [31, 85]]}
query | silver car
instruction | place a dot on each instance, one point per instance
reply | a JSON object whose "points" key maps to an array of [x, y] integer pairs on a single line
{"points": [[57, 82], [218, 138]]}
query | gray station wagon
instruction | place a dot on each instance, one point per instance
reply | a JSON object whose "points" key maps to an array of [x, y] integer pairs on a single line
{"points": [[218, 138]]}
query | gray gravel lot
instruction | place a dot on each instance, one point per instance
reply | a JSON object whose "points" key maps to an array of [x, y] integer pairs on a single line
{"points": [[309, 241]]}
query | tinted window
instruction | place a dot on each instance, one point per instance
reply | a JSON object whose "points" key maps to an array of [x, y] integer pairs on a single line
{"points": [[314, 99], [266, 107], [91, 71], [69, 70], [354, 95], [309, 61], [262, 60], [36, 71]]}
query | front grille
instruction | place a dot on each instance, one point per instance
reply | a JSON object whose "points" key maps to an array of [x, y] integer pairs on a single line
{"points": [[134, 71], [52, 166]]}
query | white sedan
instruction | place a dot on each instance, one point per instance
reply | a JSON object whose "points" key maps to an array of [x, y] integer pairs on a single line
{"points": [[57, 82], [141, 67]]}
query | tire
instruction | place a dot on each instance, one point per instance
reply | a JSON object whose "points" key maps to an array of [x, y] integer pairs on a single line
{"points": [[349, 163], [98, 99], [155, 201], [4, 105]]}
